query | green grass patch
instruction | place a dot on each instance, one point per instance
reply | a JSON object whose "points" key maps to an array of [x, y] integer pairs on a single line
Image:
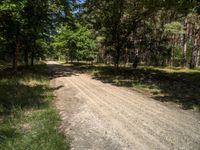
{"points": [[28, 119], [165, 84]]}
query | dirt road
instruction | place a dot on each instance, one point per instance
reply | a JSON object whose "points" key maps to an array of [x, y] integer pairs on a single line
{"points": [[100, 116]]}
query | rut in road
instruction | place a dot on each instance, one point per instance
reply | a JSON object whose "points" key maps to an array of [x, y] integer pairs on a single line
{"points": [[100, 116]]}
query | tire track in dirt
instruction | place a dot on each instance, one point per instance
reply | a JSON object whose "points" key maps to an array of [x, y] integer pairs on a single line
{"points": [[160, 108], [142, 124], [116, 114], [105, 112], [150, 110]]}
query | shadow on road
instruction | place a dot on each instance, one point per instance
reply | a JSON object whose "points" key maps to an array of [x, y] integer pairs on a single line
{"points": [[58, 70]]}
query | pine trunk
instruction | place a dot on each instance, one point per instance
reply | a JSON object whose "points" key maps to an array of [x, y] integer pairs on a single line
{"points": [[195, 50], [185, 43], [15, 58], [172, 50], [32, 58], [198, 59], [26, 59]]}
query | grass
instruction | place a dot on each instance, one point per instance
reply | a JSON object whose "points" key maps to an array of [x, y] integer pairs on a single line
{"points": [[177, 85], [28, 119]]}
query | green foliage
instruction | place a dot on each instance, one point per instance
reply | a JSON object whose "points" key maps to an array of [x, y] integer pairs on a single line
{"points": [[125, 27], [24, 22], [75, 44], [137, 26], [11, 19], [177, 56]]}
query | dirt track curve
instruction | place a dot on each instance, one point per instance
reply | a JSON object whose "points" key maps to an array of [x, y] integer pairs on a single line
{"points": [[100, 116]]}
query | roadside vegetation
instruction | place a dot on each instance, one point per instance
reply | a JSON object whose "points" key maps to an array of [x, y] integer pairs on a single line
{"points": [[27, 118], [166, 84], [138, 32]]}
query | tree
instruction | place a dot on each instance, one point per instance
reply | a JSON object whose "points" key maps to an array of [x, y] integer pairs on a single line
{"points": [[174, 30], [75, 43], [136, 27], [195, 33], [127, 31], [118, 22], [24, 22], [38, 24], [11, 26]]}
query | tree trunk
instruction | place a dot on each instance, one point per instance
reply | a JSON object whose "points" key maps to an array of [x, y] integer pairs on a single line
{"points": [[26, 59], [126, 57], [136, 59], [117, 58], [193, 59], [185, 42], [198, 59], [172, 51], [71, 60], [194, 53], [32, 58], [15, 57], [66, 59], [136, 62], [172, 57]]}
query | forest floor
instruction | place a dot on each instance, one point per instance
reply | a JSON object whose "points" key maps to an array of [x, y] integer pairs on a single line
{"points": [[28, 119], [98, 115]]}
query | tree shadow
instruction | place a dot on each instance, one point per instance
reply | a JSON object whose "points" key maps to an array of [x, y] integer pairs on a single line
{"points": [[22, 96], [179, 87], [24, 90], [58, 70], [14, 93]]}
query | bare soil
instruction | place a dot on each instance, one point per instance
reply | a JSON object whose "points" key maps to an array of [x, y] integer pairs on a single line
{"points": [[100, 116]]}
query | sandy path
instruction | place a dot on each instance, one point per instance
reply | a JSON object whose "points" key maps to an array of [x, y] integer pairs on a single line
{"points": [[99, 116]]}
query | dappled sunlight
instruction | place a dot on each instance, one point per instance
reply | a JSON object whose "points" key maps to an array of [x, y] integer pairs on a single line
{"points": [[22, 91], [181, 87]]}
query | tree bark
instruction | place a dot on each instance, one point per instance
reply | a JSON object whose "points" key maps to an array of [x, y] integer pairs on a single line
{"points": [[26, 58], [136, 59], [198, 59], [32, 58], [117, 57], [195, 49], [15, 57], [185, 42], [172, 50]]}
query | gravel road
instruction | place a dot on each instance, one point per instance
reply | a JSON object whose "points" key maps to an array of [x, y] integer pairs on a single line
{"points": [[100, 116]]}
